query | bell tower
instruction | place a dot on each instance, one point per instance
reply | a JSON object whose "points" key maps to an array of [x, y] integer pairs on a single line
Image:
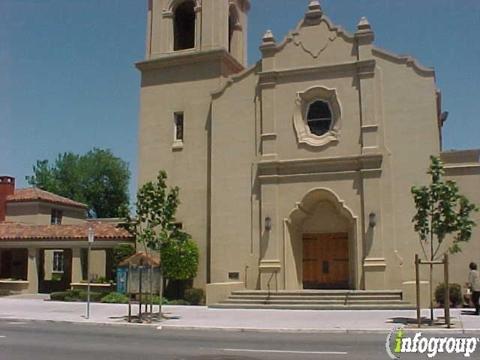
{"points": [[192, 47], [185, 26]]}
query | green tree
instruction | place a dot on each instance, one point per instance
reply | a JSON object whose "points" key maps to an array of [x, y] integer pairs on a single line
{"points": [[98, 179], [154, 227], [180, 258], [441, 211]]}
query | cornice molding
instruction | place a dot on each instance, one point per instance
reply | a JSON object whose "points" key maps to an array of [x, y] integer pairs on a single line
{"points": [[405, 60], [336, 164], [358, 67], [188, 57], [232, 79]]}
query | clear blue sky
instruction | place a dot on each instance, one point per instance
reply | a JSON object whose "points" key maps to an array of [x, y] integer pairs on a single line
{"points": [[67, 80]]}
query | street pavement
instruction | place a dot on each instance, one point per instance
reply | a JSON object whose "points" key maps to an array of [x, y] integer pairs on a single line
{"points": [[42, 340], [202, 318], [23, 340]]}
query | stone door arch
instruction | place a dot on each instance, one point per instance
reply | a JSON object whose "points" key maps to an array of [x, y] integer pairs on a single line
{"points": [[321, 235]]}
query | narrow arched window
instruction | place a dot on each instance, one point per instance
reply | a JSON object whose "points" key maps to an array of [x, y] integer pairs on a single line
{"points": [[184, 26], [232, 22], [319, 117]]}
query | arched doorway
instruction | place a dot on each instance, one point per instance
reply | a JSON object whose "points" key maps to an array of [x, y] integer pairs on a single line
{"points": [[321, 249]]}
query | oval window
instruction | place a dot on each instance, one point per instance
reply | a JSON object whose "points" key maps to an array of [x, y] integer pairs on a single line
{"points": [[319, 117]]}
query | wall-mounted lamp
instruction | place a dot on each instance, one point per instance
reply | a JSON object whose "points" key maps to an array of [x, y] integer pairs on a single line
{"points": [[372, 219], [268, 223]]}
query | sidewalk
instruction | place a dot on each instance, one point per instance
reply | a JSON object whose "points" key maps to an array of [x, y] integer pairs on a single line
{"points": [[202, 318]]}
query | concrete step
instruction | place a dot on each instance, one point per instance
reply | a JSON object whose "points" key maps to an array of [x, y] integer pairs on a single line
{"points": [[276, 301], [311, 302], [402, 306], [396, 301], [318, 292], [316, 300], [317, 297], [287, 297]]}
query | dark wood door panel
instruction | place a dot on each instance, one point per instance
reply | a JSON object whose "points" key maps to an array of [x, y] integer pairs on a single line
{"points": [[325, 260]]}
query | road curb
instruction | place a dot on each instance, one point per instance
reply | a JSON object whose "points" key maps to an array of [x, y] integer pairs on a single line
{"points": [[251, 329], [166, 326], [274, 330], [79, 322], [312, 331]]}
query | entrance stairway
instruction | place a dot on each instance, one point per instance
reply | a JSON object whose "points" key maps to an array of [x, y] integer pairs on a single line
{"points": [[316, 300]]}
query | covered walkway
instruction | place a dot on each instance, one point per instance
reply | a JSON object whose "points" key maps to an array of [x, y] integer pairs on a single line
{"points": [[46, 258]]}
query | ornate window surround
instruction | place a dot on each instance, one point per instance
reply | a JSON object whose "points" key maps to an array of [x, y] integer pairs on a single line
{"points": [[302, 103]]}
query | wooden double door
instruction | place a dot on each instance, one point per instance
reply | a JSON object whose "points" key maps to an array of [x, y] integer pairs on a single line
{"points": [[325, 261]]}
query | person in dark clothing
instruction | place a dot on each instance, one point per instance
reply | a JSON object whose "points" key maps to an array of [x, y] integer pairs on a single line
{"points": [[474, 283]]}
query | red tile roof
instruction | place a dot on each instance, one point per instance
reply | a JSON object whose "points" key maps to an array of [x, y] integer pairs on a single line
{"points": [[10, 231], [35, 194], [141, 257]]}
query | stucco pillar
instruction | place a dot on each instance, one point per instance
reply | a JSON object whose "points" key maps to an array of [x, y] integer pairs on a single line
{"points": [[271, 243], [374, 264], [366, 83], [76, 266], [32, 271], [267, 85], [271, 239]]}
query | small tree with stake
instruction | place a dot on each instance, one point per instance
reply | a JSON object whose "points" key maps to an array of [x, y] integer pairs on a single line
{"points": [[154, 223], [441, 210]]}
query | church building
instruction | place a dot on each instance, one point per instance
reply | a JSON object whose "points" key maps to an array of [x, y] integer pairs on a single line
{"points": [[294, 172]]}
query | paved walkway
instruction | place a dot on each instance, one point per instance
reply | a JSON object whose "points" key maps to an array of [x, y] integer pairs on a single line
{"points": [[199, 317]]}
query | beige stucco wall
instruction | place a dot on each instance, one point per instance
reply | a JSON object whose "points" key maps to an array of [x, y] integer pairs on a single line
{"points": [[181, 88], [467, 177], [97, 258], [234, 197], [48, 264], [243, 160], [97, 265], [409, 113], [39, 213]]}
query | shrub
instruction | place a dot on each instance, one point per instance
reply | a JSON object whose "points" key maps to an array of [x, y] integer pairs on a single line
{"points": [[115, 298], [94, 296], [155, 298], [58, 296], [178, 302], [455, 294], [56, 277], [180, 258], [100, 280], [76, 295], [194, 296]]}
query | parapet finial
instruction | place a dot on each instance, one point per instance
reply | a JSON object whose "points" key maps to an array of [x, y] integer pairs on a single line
{"points": [[314, 5], [315, 11], [268, 38], [364, 25]]}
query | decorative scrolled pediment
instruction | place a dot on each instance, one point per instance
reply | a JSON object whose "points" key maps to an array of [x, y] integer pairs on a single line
{"points": [[311, 199], [314, 45]]}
